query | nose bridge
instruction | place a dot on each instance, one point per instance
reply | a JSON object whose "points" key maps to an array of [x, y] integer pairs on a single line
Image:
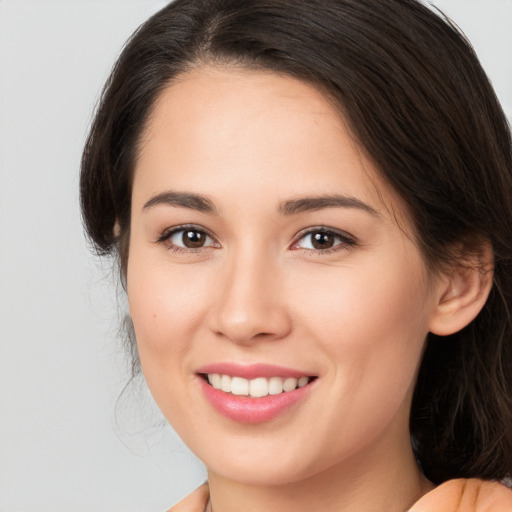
{"points": [[248, 305]]}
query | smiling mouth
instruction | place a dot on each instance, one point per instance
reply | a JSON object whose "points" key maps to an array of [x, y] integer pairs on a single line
{"points": [[255, 388]]}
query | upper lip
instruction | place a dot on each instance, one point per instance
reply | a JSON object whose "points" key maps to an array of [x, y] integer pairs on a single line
{"points": [[251, 371]]}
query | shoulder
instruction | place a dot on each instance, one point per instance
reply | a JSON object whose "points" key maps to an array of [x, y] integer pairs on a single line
{"points": [[466, 495], [460, 495], [194, 502]]}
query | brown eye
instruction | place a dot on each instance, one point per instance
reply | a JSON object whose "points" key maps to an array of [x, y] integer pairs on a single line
{"points": [[323, 240], [189, 238], [193, 239]]}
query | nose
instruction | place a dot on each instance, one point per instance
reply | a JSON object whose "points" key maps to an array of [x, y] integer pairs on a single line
{"points": [[250, 305]]}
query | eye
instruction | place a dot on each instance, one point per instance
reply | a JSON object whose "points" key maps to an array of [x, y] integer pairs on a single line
{"points": [[188, 237], [323, 240]]}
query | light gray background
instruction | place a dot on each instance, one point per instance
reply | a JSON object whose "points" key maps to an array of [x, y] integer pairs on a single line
{"points": [[62, 448]]}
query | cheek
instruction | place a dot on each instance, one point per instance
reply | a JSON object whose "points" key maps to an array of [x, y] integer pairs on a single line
{"points": [[371, 323], [165, 306], [369, 304]]}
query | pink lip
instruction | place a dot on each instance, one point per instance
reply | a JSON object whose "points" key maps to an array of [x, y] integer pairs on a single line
{"points": [[252, 410], [251, 371]]}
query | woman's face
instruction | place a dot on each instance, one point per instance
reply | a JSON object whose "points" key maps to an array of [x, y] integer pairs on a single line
{"points": [[265, 247]]}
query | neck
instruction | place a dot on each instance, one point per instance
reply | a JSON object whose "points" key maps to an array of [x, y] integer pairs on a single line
{"points": [[377, 482]]}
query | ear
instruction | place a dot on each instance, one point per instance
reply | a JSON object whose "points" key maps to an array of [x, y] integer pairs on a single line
{"points": [[462, 291], [116, 230]]}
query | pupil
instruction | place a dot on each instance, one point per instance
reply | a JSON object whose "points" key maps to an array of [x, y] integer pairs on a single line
{"points": [[193, 239], [323, 240]]}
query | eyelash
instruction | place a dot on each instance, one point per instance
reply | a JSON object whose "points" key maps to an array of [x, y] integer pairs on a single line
{"points": [[345, 240], [169, 233]]}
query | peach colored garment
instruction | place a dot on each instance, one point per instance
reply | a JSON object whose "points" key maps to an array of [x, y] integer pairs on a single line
{"points": [[461, 495], [195, 502]]}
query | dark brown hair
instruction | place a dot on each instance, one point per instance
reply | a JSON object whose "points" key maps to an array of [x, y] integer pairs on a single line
{"points": [[421, 107]]}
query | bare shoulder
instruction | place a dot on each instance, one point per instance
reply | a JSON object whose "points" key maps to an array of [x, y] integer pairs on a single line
{"points": [[466, 495], [194, 502]]}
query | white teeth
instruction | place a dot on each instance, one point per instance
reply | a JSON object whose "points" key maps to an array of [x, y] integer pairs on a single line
{"points": [[275, 386], [225, 383], [255, 388], [289, 384], [214, 379], [258, 387], [239, 386], [302, 382]]}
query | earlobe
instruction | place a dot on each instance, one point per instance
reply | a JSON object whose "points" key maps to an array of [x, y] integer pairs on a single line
{"points": [[462, 292]]}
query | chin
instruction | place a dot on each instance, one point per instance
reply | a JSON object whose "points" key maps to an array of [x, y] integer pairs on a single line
{"points": [[268, 475], [263, 466]]}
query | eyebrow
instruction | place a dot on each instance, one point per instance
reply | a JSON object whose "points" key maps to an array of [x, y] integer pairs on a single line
{"points": [[310, 204], [183, 199], [290, 207]]}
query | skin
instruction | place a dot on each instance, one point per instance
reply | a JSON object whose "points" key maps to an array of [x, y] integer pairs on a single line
{"points": [[355, 316]]}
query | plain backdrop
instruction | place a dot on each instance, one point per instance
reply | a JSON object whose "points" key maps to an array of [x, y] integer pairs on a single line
{"points": [[66, 443]]}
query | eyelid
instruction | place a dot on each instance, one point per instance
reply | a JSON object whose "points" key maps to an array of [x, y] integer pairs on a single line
{"points": [[347, 240], [169, 232]]}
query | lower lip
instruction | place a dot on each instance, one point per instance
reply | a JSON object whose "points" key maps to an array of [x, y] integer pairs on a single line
{"points": [[244, 409]]}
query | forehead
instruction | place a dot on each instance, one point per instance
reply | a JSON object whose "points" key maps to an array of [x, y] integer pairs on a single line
{"points": [[253, 131], [235, 105]]}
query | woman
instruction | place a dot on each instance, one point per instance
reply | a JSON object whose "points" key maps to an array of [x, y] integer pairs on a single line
{"points": [[310, 201]]}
